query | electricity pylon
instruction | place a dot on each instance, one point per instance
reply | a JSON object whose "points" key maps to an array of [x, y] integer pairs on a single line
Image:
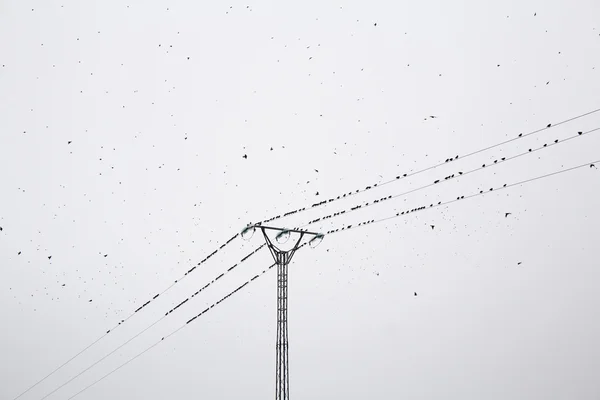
{"points": [[282, 259]]}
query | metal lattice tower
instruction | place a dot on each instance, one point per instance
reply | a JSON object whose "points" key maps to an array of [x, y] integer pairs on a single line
{"points": [[282, 259]]}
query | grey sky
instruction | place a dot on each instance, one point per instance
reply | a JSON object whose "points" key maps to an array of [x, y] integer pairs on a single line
{"points": [[161, 99]]}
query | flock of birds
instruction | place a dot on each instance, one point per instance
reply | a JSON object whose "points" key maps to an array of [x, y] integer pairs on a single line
{"points": [[427, 226]]}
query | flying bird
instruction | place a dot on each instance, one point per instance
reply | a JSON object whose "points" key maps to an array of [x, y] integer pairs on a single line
{"points": [[19, 253], [519, 263], [69, 142], [432, 226], [316, 170], [245, 156], [415, 293], [49, 257], [507, 214]]}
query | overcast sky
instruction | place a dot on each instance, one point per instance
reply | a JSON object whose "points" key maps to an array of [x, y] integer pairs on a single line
{"points": [[123, 131]]}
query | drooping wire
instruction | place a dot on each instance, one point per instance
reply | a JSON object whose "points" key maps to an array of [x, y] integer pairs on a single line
{"points": [[153, 323], [449, 177], [439, 204], [411, 174], [123, 320]]}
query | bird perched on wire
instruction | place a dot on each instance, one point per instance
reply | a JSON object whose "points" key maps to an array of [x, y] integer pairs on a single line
{"points": [[591, 166]]}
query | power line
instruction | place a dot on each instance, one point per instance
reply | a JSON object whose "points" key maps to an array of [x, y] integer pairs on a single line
{"points": [[407, 175], [173, 332], [152, 324], [290, 213], [450, 177], [439, 204]]}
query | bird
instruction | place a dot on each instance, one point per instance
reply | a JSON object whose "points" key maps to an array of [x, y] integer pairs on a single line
{"points": [[316, 194], [581, 133], [593, 166], [106, 255], [245, 156], [432, 116], [415, 293], [49, 257], [432, 226], [519, 263], [0, 229], [507, 214], [90, 300], [271, 149], [69, 142], [19, 253], [548, 126], [316, 170]]}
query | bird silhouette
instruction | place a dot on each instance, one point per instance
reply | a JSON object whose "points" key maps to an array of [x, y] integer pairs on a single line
{"points": [[316, 194], [19, 253], [432, 226], [69, 142], [519, 263], [549, 125], [316, 170], [415, 293], [49, 257], [507, 214], [593, 166], [245, 156]]}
